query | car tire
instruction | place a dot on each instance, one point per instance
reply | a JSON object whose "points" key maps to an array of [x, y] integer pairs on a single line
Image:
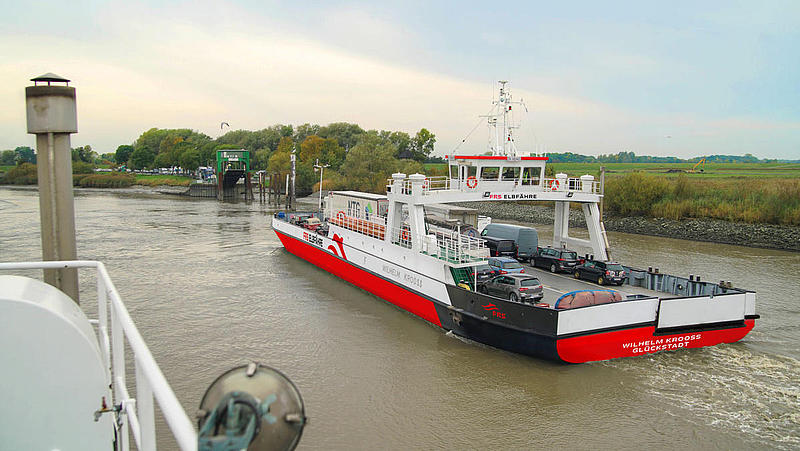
{"points": [[577, 274], [482, 289], [513, 297], [600, 280], [553, 268]]}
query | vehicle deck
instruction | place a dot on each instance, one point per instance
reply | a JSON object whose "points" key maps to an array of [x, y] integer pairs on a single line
{"points": [[558, 284]]}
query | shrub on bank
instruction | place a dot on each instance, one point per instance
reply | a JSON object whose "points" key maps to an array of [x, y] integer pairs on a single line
{"points": [[23, 174], [634, 193], [159, 180], [76, 179], [107, 180]]}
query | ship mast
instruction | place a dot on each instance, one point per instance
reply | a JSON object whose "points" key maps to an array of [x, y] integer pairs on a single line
{"points": [[502, 125]]}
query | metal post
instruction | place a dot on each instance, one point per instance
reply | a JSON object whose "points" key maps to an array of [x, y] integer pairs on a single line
{"points": [[287, 192], [320, 167], [294, 175], [602, 189], [52, 116]]}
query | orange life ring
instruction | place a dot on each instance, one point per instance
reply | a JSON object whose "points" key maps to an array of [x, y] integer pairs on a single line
{"points": [[554, 185], [472, 182], [426, 184]]}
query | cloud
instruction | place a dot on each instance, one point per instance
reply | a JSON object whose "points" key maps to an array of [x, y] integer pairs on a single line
{"points": [[166, 68]]}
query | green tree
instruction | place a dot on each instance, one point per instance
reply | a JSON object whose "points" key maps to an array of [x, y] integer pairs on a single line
{"points": [[142, 158], [261, 159], [25, 154], [311, 149], [369, 163], [304, 131], [332, 153], [84, 153], [422, 145], [163, 160], [190, 159], [345, 134], [7, 158], [123, 153], [150, 141]]}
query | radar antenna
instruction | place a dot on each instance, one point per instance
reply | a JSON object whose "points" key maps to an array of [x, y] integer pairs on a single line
{"points": [[502, 124]]}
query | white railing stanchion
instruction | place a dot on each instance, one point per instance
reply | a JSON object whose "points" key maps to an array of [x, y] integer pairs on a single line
{"points": [[145, 409], [102, 313], [118, 370]]}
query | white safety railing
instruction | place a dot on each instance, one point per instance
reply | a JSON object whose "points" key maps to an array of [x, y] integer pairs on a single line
{"points": [[150, 381], [443, 183], [438, 183], [452, 247], [572, 184]]}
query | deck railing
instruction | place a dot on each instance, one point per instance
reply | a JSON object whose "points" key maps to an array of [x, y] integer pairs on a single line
{"points": [[150, 381], [444, 183]]}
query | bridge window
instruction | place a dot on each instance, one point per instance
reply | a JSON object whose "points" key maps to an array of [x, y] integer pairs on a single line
{"points": [[490, 172], [453, 171], [530, 175], [511, 174]]}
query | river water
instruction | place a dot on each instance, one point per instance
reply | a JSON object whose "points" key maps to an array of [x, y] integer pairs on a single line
{"points": [[210, 287]]}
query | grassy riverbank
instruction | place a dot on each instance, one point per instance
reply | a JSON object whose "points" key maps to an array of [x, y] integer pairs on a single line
{"points": [[741, 199], [161, 180], [25, 174]]}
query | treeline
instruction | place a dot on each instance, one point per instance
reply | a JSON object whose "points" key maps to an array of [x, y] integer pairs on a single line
{"points": [[356, 158], [359, 157], [631, 157]]}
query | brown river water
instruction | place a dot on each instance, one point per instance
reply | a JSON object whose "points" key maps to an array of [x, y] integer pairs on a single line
{"points": [[210, 287]]}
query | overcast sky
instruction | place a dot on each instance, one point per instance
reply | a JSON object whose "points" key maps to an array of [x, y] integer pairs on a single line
{"points": [[659, 78]]}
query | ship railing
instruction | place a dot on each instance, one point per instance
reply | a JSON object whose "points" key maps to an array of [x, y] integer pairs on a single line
{"points": [[451, 247], [437, 183], [374, 227], [570, 184], [442, 183], [150, 381]]}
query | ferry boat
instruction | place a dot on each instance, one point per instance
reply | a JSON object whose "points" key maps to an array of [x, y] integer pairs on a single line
{"points": [[382, 244]]}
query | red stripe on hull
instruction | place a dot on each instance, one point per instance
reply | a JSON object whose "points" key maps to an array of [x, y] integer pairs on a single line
{"points": [[365, 280], [640, 341]]}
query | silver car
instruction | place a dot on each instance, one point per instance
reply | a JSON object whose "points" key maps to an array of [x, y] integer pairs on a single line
{"points": [[514, 287]]}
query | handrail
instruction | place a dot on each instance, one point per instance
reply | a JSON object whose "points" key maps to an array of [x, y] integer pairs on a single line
{"points": [[150, 381], [445, 183]]}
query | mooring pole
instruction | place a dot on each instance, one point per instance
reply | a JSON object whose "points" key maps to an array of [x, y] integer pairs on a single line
{"points": [[52, 116], [602, 189]]}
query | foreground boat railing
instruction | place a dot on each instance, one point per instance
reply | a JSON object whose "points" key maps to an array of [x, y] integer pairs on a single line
{"points": [[150, 381]]}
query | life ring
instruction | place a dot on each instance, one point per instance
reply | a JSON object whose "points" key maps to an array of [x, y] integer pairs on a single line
{"points": [[554, 185], [426, 184], [472, 182]]}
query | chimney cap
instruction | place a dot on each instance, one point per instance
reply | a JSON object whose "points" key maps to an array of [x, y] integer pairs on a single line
{"points": [[50, 77]]}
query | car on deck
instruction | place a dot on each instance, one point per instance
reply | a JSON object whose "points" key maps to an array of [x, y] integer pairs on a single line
{"points": [[555, 260], [483, 273], [601, 272], [505, 265], [514, 287]]}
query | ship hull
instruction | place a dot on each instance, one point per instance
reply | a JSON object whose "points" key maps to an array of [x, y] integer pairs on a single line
{"points": [[514, 327]]}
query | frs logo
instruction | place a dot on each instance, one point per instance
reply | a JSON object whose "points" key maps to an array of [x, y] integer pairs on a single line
{"points": [[338, 240], [312, 238], [495, 311]]}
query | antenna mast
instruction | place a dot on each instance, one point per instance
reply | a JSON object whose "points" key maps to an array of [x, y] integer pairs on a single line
{"points": [[502, 125]]}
